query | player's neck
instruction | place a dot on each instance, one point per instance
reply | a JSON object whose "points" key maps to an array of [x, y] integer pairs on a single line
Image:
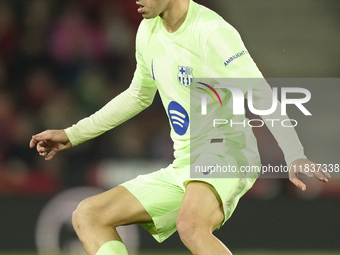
{"points": [[174, 16]]}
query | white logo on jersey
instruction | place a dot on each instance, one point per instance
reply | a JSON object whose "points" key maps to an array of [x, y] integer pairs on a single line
{"points": [[185, 76]]}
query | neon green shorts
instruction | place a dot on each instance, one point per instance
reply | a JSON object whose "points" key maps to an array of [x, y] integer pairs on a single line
{"points": [[161, 193]]}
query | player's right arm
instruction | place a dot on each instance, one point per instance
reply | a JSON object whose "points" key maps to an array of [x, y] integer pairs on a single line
{"points": [[123, 107], [120, 109], [129, 103]]}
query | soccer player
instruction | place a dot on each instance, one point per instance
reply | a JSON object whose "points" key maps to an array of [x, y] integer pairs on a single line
{"points": [[177, 41]]}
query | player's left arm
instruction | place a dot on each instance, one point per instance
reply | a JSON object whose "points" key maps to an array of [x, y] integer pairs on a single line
{"points": [[287, 139], [227, 57]]}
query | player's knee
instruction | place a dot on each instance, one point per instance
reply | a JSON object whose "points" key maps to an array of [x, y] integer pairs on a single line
{"points": [[84, 214], [90, 213], [188, 229], [78, 216]]}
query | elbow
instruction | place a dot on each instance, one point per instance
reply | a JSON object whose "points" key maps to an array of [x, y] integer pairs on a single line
{"points": [[146, 102]]}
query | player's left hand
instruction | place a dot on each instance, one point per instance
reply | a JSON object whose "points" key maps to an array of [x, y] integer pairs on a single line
{"points": [[308, 168]]}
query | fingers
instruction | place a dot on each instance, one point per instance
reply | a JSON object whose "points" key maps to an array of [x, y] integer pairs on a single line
{"points": [[298, 183], [45, 135], [307, 173], [43, 148], [309, 169], [41, 141], [322, 176], [50, 142], [33, 142], [51, 154], [39, 137], [313, 170], [325, 173]]}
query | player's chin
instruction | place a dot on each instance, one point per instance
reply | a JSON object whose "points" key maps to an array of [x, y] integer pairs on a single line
{"points": [[145, 16], [148, 15]]}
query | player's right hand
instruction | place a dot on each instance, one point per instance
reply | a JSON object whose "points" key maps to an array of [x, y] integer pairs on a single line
{"points": [[50, 142]]}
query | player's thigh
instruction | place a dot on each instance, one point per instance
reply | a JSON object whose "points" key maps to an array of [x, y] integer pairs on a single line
{"points": [[202, 204], [116, 207]]}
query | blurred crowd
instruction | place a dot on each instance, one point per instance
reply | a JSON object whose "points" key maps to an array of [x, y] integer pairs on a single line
{"points": [[60, 61]]}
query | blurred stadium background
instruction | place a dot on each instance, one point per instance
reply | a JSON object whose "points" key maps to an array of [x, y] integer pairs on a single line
{"points": [[60, 60]]}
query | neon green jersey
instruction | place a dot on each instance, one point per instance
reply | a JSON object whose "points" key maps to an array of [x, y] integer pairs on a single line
{"points": [[204, 46]]}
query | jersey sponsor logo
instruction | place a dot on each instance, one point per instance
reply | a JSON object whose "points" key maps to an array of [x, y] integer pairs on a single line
{"points": [[185, 76], [236, 56], [179, 118]]}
